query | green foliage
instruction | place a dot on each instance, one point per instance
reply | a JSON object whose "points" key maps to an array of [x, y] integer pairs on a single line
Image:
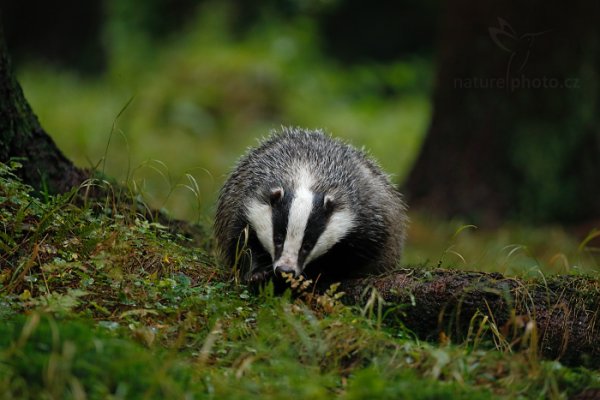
{"points": [[376, 383], [97, 302], [201, 97], [511, 249], [47, 358]]}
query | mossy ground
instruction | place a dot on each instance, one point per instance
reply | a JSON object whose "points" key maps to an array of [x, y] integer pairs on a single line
{"points": [[97, 302]]}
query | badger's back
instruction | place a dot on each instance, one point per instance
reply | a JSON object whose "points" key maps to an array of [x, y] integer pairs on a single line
{"points": [[368, 218]]}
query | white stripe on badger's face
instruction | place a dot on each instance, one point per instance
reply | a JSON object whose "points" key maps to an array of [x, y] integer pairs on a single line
{"points": [[260, 217], [339, 225], [300, 210]]}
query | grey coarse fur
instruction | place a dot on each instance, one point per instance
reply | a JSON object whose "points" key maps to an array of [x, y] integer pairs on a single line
{"points": [[350, 175]]}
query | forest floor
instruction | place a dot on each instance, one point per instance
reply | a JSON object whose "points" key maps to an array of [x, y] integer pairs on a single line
{"points": [[98, 302]]}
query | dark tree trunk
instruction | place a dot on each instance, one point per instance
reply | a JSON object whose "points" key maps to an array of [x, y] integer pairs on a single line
{"points": [[21, 136], [515, 129], [44, 166], [556, 318]]}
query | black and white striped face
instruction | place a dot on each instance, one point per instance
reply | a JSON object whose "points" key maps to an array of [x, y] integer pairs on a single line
{"points": [[297, 226]]}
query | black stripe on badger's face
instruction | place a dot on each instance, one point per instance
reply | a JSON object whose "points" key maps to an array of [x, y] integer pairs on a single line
{"points": [[317, 221], [280, 211]]}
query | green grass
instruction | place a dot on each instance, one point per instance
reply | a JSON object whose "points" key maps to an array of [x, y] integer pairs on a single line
{"points": [[510, 249], [98, 303]]}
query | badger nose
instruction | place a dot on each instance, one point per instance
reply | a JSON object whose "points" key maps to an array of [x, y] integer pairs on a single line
{"points": [[287, 268]]}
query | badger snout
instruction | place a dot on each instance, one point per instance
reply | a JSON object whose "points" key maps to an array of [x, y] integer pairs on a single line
{"points": [[286, 266]]}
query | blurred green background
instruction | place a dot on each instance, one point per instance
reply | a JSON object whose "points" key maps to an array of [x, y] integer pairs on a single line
{"points": [[165, 96], [206, 85]]}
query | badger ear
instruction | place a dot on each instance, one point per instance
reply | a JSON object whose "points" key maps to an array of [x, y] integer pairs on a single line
{"points": [[276, 195], [328, 203]]}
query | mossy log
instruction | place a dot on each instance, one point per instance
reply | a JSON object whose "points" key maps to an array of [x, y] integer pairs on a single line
{"points": [[555, 317]]}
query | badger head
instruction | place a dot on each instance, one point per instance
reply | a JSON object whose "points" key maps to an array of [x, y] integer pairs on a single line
{"points": [[295, 226]]}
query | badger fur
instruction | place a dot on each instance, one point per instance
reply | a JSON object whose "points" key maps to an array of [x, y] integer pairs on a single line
{"points": [[305, 203]]}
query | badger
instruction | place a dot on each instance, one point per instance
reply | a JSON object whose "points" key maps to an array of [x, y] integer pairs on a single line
{"points": [[304, 203]]}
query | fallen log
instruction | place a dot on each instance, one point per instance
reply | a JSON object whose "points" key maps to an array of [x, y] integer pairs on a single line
{"points": [[556, 317]]}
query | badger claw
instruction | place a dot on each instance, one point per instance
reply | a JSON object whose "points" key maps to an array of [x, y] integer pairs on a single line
{"points": [[260, 276]]}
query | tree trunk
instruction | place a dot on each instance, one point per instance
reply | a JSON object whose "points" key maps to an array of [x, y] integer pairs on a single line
{"points": [[44, 166], [22, 137], [556, 318], [515, 129]]}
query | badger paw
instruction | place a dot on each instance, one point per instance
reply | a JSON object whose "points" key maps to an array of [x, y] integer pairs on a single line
{"points": [[260, 276]]}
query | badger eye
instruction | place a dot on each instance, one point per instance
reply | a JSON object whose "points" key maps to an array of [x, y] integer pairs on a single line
{"points": [[328, 203], [306, 247]]}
